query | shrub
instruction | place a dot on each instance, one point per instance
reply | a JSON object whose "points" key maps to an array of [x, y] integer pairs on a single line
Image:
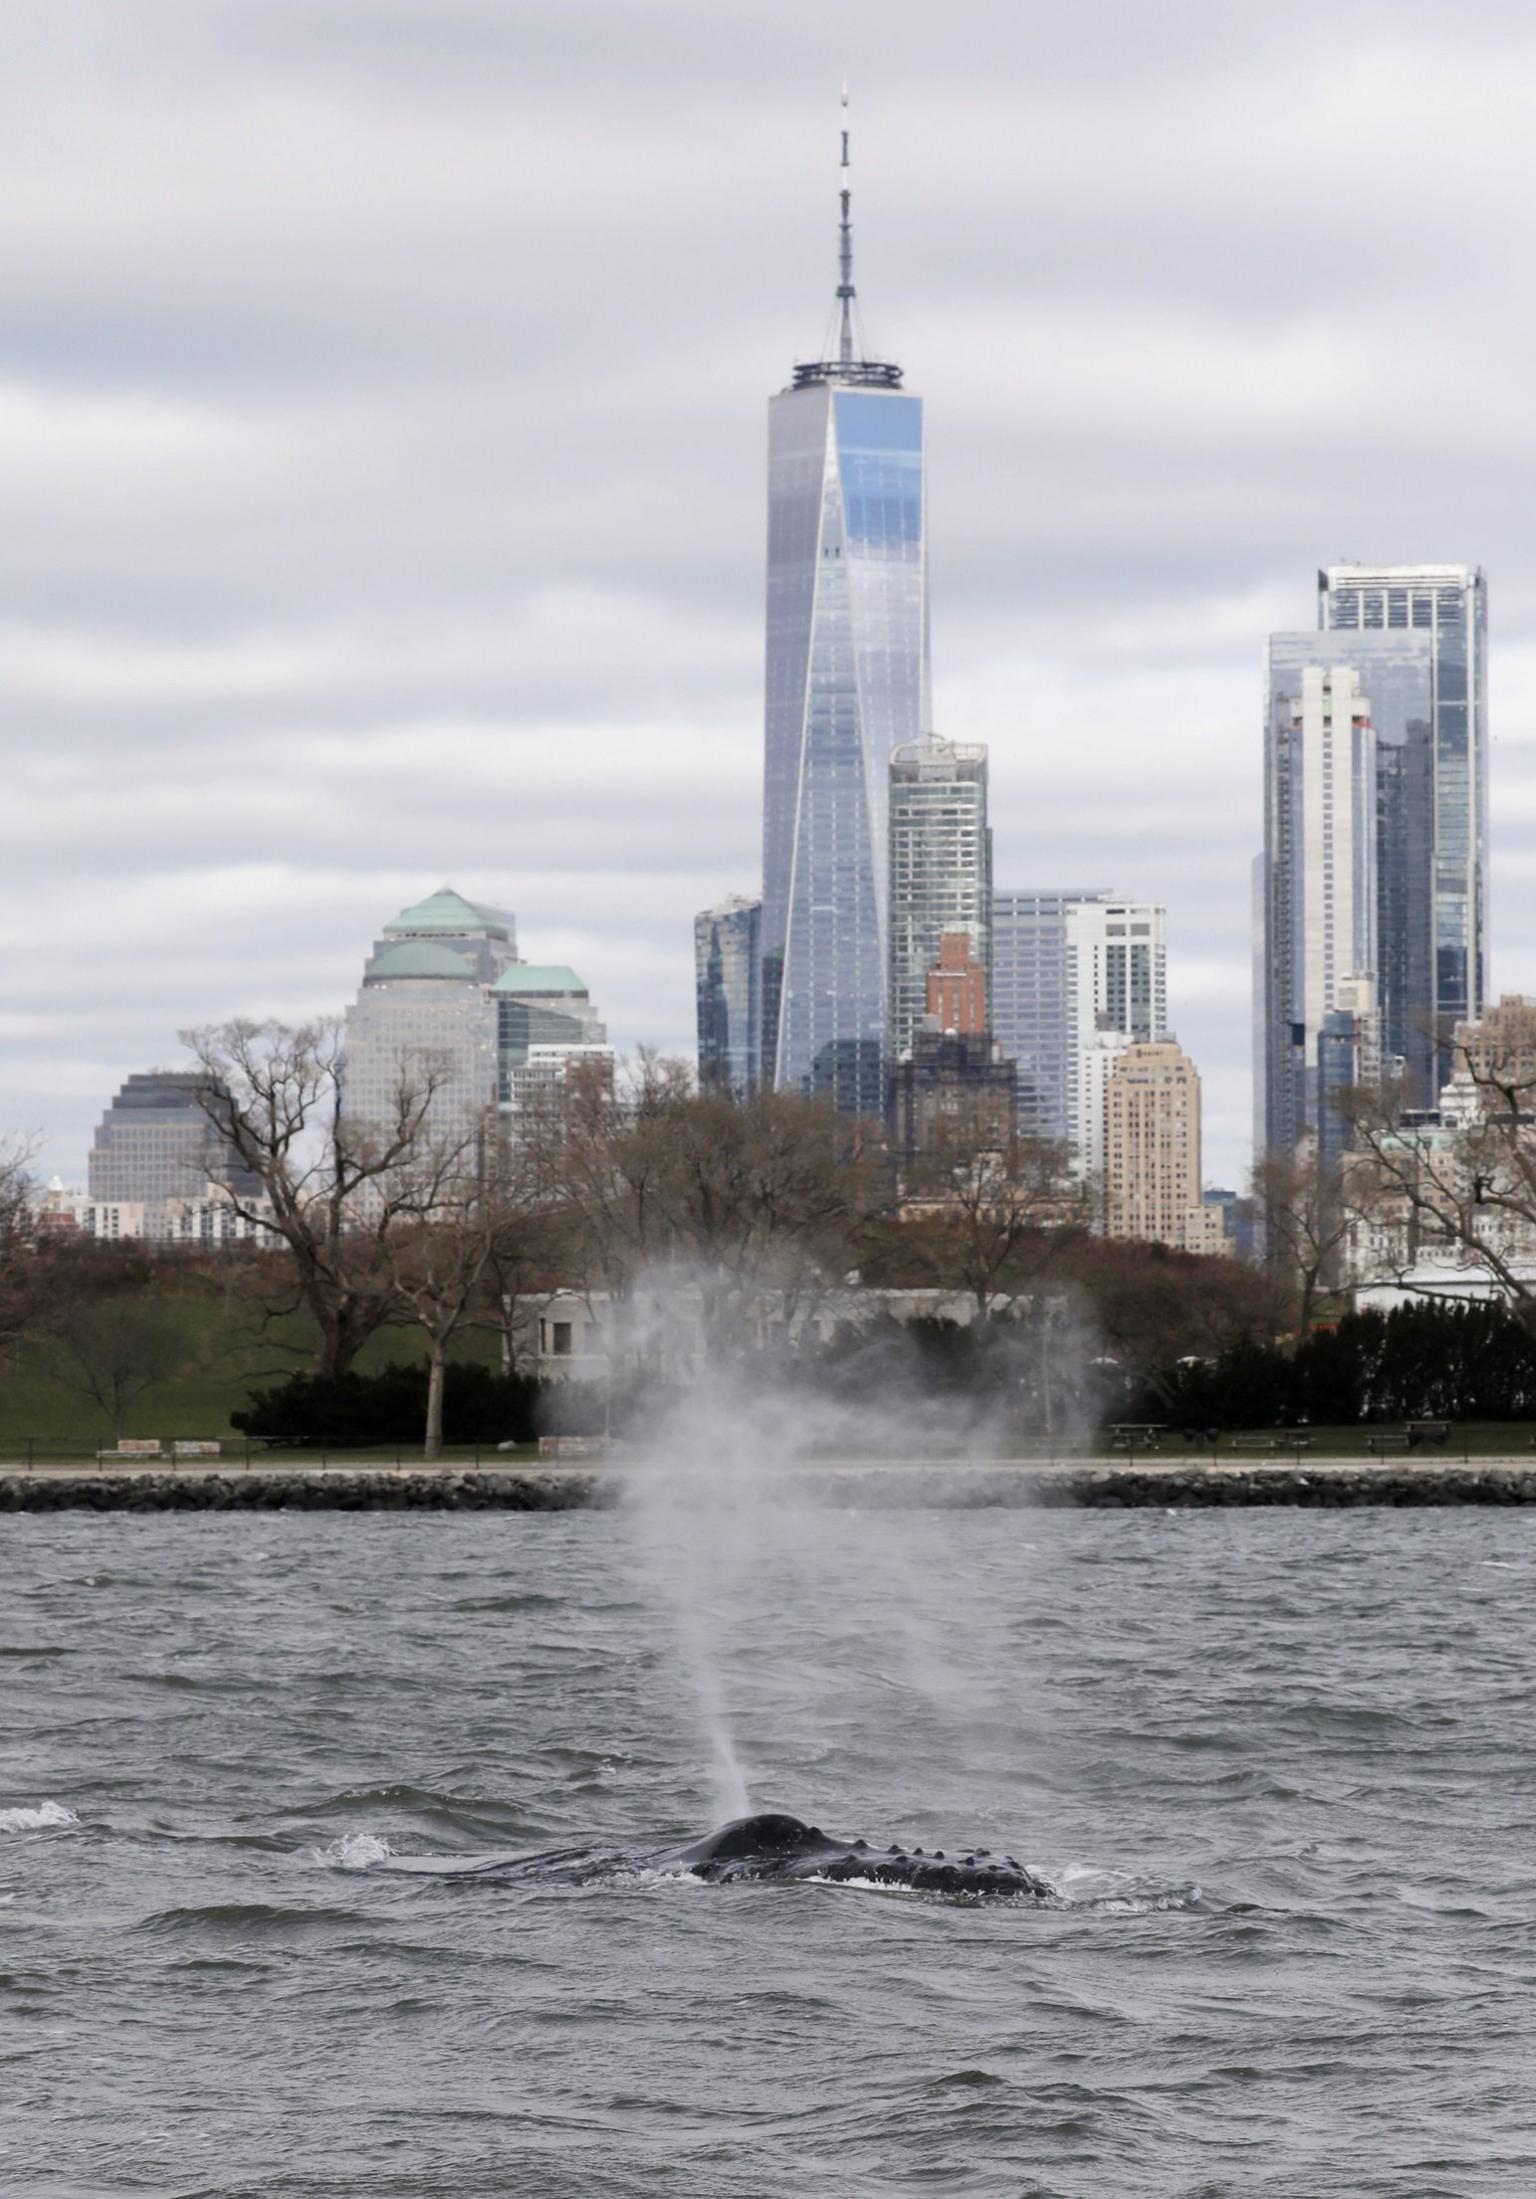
{"points": [[311, 1412]]}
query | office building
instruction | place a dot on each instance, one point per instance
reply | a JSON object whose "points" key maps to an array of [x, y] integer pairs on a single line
{"points": [[954, 1080], [846, 685], [957, 987], [554, 1079], [155, 1143], [1031, 1011], [727, 958], [1348, 1058], [486, 938], [1322, 883], [206, 1220], [1094, 1059], [1152, 1149], [940, 870], [1117, 994], [539, 1008], [1413, 641], [422, 1030], [1076, 975]]}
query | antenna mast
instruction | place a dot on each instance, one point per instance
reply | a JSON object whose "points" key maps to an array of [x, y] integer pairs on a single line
{"points": [[845, 250], [847, 367]]}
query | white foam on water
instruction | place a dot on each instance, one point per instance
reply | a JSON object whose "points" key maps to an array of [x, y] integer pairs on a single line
{"points": [[1187, 1897], [35, 1818], [355, 1852]]}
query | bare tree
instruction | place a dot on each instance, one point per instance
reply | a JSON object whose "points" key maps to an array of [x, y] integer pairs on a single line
{"points": [[1001, 1211], [1308, 1225], [18, 1264], [755, 1201], [112, 1352], [454, 1221], [1467, 1187], [335, 1183], [527, 1261]]}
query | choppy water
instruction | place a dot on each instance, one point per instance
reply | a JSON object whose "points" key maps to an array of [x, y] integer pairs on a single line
{"points": [[1281, 1764]]}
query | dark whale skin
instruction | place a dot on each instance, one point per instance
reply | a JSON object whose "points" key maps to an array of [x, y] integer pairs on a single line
{"points": [[768, 1846]]}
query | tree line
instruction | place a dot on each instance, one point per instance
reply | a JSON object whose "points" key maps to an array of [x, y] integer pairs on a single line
{"points": [[409, 1219]]}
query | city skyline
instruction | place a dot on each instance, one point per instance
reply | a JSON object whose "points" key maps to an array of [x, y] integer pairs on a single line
{"points": [[255, 702]]}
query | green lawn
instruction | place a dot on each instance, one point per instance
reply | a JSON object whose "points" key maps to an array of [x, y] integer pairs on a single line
{"points": [[229, 1351]]}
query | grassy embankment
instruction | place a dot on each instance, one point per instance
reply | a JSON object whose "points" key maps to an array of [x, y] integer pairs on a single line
{"points": [[227, 1351]]}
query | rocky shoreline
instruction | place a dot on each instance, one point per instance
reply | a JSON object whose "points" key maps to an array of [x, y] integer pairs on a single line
{"points": [[1147, 1485]]}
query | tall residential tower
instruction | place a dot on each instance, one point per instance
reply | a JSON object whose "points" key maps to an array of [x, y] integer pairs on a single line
{"points": [[847, 684], [940, 870], [1374, 870]]}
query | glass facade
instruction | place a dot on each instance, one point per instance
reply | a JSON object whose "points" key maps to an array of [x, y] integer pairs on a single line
{"points": [[1031, 1009], [1433, 799], [1416, 639], [940, 870], [847, 684], [1323, 876], [727, 969]]}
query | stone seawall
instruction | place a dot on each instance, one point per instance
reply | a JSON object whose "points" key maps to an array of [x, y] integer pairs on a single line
{"points": [[852, 1485], [296, 1489]]}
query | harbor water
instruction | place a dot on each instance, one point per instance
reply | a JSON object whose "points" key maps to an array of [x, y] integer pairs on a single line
{"points": [[1280, 1766]]}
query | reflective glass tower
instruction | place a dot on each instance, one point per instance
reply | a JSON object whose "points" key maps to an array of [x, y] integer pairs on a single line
{"points": [[847, 684], [727, 954], [1432, 799], [1414, 637]]}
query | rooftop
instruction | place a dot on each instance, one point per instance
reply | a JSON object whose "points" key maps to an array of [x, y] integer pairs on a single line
{"points": [[447, 911], [418, 958], [539, 977]]}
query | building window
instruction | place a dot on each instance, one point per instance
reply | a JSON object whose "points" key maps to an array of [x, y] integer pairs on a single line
{"points": [[562, 1331]]}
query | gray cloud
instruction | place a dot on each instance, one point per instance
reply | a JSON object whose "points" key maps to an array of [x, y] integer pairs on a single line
{"points": [[381, 438]]}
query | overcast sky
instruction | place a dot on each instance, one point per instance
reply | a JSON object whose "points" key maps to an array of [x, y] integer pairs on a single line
{"points": [[382, 424]]}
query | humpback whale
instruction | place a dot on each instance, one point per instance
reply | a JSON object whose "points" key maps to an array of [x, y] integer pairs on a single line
{"points": [[769, 1845]]}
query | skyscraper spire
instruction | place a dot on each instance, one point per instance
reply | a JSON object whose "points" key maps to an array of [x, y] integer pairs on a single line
{"points": [[845, 364], [845, 249]]}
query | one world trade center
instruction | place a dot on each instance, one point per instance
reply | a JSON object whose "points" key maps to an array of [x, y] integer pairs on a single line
{"points": [[847, 683]]}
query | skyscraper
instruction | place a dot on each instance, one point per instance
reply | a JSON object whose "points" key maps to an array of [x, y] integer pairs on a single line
{"points": [[542, 1009], [1117, 994], [940, 869], [1415, 639], [1321, 798], [425, 1016], [727, 960], [846, 685], [155, 1143], [1152, 1149], [1433, 868], [1031, 1013]]}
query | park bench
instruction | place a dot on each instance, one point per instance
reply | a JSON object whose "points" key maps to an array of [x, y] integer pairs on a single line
{"points": [[1379, 1445], [1135, 1435], [132, 1450], [1273, 1445], [195, 1450]]}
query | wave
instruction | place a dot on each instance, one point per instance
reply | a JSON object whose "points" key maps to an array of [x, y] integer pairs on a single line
{"points": [[36, 1818], [354, 1852]]}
